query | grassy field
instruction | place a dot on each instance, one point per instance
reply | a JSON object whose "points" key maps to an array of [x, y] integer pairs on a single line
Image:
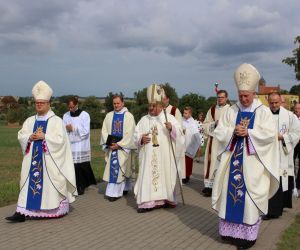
{"points": [[11, 159], [290, 238]]}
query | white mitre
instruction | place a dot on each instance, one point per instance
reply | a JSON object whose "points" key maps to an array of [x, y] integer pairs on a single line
{"points": [[155, 93], [42, 91], [246, 77]]}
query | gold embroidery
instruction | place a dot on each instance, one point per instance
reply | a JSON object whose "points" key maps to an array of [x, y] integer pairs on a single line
{"points": [[155, 172], [39, 129], [244, 78], [245, 122], [117, 128]]}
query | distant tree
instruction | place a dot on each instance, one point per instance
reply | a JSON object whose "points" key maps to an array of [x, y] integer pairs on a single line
{"points": [[25, 112], [93, 107], [210, 101], [171, 93], [141, 104], [59, 108], [294, 61], [63, 98], [284, 92], [197, 102], [295, 89], [12, 115], [108, 102]]}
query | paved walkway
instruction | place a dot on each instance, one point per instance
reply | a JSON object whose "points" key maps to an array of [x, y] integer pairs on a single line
{"points": [[95, 223]]}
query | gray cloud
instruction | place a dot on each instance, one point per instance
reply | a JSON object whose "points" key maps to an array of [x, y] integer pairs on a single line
{"points": [[163, 37]]}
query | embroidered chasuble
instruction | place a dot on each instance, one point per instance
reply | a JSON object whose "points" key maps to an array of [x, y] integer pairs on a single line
{"points": [[35, 187], [236, 184], [117, 130]]}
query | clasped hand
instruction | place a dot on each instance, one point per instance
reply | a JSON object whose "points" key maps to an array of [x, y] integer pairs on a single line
{"points": [[168, 125], [69, 127], [240, 130], [114, 146], [37, 136], [146, 138]]}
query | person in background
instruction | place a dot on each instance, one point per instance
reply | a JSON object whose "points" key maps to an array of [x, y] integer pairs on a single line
{"points": [[77, 124], [192, 141], [210, 123], [288, 134], [117, 143], [297, 148], [180, 150]]}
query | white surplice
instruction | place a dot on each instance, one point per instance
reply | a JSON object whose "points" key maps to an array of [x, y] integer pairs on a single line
{"points": [[80, 136], [192, 136]]}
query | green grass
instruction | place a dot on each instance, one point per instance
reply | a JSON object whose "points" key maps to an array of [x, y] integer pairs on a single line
{"points": [[11, 160], [290, 238]]}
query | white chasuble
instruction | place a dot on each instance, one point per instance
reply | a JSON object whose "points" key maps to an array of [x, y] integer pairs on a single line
{"points": [[210, 123], [59, 181], [157, 170], [126, 145], [289, 127], [260, 167]]}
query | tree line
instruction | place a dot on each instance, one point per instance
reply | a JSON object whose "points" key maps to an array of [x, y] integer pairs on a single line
{"points": [[17, 111]]}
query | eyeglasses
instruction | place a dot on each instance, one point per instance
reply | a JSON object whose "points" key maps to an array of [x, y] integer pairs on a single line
{"points": [[221, 97], [40, 103]]}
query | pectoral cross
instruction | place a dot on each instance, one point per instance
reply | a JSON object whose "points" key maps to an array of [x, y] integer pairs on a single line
{"points": [[39, 129], [284, 173], [245, 122]]}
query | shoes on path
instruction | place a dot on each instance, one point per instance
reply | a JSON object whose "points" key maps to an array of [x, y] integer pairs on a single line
{"points": [[16, 217]]}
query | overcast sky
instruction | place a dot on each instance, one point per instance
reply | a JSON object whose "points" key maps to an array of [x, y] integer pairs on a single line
{"points": [[92, 47]]}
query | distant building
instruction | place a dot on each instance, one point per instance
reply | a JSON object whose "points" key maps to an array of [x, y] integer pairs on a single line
{"points": [[263, 91]]}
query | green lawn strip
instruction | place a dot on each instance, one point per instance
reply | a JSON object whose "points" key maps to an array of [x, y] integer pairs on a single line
{"points": [[290, 238]]}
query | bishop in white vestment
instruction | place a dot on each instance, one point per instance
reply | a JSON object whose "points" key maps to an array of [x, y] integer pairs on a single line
{"points": [[248, 167], [47, 183], [155, 135]]}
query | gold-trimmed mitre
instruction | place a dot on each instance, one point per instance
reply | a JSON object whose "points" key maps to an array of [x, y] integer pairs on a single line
{"points": [[246, 77], [42, 91], [155, 93]]}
